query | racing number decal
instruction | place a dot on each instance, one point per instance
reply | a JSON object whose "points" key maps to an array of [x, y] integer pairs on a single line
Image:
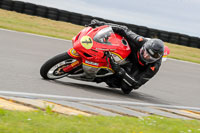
{"points": [[86, 42]]}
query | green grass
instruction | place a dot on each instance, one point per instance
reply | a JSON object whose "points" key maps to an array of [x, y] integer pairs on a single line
{"points": [[44, 122], [37, 25], [184, 53]]}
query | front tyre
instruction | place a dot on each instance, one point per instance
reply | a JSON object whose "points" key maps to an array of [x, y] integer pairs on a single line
{"points": [[53, 68]]}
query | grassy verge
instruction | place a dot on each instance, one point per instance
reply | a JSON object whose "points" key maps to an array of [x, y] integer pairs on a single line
{"points": [[184, 53], [37, 25], [46, 122]]}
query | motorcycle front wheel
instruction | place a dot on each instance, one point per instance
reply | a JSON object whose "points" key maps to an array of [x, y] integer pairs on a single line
{"points": [[52, 69]]}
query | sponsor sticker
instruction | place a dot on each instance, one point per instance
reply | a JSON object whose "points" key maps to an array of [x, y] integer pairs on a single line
{"points": [[86, 42], [91, 63]]}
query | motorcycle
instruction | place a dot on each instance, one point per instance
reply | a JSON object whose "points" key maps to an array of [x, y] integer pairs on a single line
{"points": [[88, 59]]}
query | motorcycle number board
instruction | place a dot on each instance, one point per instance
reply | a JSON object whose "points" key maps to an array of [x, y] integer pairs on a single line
{"points": [[86, 42]]}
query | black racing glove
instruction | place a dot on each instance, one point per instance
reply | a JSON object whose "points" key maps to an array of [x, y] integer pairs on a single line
{"points": [[121, 72], [121, 30], [116, 27], [116, 67], [95, 23]]}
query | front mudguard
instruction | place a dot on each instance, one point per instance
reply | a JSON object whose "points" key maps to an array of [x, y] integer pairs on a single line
{"points": [[72, 52]]}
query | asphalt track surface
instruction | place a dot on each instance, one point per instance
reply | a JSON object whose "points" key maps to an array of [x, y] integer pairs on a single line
{"points": [[21, 56]]}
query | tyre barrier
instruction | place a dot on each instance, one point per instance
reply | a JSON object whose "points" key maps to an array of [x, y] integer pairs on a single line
{"points": [[194, 42], [86, 20], [41, 11], [164, 35], [19, 6], [143, 31], [29, 9], [153, 33], [6, 4], [184, 40], [75, 18], [64, 16], [174, 38], [134, 28], [81, 19], [53, 13]]}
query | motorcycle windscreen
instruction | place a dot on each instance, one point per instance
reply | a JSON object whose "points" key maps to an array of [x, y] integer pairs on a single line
{"points": [[108, 37]]}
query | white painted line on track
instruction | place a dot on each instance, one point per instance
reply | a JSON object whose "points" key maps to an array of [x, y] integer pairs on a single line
{"points": [[183, 61], [69, 98], [32, 34]]}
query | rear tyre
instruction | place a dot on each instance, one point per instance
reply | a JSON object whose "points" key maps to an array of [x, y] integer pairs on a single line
{"points": [[52, 69]]}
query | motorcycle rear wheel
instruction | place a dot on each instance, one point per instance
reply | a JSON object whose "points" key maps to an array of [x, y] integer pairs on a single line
{"points": [[52, 69]]}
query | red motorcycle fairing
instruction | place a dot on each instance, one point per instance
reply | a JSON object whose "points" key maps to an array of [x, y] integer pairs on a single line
{"points": [[88, 47], [166, 51], [88, 60]]}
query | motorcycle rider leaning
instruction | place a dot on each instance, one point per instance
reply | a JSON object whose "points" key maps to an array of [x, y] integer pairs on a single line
{"points": [[145, 58]]}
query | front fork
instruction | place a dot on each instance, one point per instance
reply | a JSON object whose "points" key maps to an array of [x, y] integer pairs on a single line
{"points": [[72, 66]]}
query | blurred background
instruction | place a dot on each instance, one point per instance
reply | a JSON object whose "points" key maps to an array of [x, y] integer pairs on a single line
{"points": [[171, 15]]}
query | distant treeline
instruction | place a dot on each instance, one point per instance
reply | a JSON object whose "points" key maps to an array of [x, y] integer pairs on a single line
{"points": [[81, 19]]}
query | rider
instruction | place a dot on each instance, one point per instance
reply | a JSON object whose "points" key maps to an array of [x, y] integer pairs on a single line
{"points": [[145, 58]]}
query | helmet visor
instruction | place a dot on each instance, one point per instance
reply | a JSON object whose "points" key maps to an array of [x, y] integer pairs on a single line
{"points": [[147, 57]]}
